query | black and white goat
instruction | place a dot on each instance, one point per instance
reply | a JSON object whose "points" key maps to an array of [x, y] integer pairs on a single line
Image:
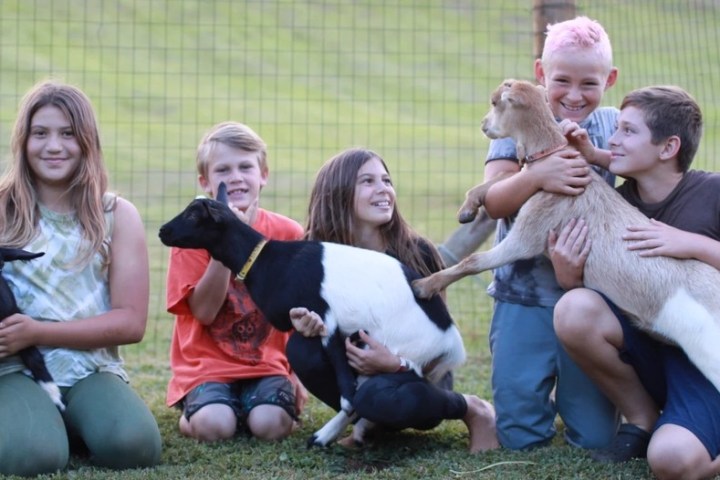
{"points": [[30, 356], [351, 288]]}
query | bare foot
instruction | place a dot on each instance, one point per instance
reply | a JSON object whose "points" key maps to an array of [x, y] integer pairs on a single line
{"points": [[349, 443], [480, 421]]}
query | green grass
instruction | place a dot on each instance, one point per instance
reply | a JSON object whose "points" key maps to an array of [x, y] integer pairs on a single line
{"points": [[439, 453], [407, 79]]}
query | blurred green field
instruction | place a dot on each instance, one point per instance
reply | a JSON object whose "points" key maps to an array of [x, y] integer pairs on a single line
{"points": [[408, 79]]}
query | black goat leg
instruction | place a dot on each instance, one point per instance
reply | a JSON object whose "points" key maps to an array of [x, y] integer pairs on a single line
{"points": [[345, 375]]}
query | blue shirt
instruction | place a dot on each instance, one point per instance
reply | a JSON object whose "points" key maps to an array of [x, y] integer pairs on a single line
{"points": [[532, 282]]}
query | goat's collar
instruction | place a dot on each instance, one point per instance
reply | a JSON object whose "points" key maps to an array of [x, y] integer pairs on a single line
{"points": [[527, 159], [251, 259]]}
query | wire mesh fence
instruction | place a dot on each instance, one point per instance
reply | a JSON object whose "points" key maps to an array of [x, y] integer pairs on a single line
{"points": [[409, 79]]}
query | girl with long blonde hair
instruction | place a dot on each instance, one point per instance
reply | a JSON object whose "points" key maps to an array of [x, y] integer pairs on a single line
{"points": [[87, 295]]}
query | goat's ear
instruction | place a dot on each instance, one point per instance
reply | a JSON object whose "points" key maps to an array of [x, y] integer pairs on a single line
{"points": [[519, 95], [10, 254], [542, 90], [222, 193], [215, 212], [509, 97]]}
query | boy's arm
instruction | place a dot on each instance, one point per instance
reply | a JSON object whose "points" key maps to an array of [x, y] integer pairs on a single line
{"points": [[579, 138], [705, 249], [498, 195], [658, 239], [210, 292], [564, 173]]}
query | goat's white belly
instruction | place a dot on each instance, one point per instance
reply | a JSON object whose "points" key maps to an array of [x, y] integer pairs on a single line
{"points": [[368, 290]]}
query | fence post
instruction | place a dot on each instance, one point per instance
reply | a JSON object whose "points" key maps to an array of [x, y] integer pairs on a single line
{"points": [[546, 12]]}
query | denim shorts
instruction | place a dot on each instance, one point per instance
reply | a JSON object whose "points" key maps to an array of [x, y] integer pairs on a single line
{"points": [[242, 396]]}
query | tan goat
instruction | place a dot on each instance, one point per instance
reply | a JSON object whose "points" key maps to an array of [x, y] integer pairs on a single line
{"points": [[675, 300]]}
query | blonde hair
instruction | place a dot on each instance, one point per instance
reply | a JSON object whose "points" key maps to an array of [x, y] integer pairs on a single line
{"points": [[235, 135], [19, 211]]}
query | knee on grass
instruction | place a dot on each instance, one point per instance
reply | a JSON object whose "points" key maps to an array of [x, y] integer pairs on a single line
{"points": [[269, 422], [45, 459], [210, 424], [128, 450]]}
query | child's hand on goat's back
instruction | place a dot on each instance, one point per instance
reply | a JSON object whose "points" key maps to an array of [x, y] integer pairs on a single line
{"points": [[564, 172], [568, 251], [578, 138], [659, 239], [307, 323]]}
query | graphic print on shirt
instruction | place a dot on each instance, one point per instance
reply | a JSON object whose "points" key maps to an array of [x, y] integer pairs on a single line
{"points": [[239, 327]]}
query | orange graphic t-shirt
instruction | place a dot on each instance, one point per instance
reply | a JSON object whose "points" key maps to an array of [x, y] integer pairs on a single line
{"points": [[240, 343]]}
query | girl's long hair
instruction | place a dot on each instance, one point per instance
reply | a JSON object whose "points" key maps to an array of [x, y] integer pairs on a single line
{"points": [[19, 211], [331, 213]]}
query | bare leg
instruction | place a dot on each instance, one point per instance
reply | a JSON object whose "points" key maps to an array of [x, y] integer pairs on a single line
{"points": [[211, 423], [357, 438], [269, 422], [480, 421], [592, 336], [675, 452]]}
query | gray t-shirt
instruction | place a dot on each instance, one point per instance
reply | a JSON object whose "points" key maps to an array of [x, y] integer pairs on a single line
{"points": [[693, 205], [532, 282]]}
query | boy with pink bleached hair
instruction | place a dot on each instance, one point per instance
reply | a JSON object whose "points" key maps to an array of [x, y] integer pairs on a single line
{"points": [[533, 378]]}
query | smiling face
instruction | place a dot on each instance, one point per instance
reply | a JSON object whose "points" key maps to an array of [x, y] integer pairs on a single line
{"points": [[52, 149], [631, 146], [241, 172], [374, 201], [576, 80]]}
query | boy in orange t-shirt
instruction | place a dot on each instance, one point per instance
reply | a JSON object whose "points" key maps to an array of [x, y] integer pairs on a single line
{"points": [[229, 369]]}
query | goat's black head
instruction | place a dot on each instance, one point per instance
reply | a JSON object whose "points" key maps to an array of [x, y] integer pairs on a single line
{"points": [[203, 224], [10, 254], [8, 305]]}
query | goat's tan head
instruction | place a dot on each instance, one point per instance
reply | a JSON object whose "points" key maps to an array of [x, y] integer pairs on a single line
{"points": [[514, 103]]}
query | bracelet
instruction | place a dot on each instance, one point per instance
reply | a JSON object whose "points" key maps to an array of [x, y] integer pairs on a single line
{"points": [[404, 365]]}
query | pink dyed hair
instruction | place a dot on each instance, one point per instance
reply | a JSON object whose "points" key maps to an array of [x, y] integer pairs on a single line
{"points": [[578, 33]]}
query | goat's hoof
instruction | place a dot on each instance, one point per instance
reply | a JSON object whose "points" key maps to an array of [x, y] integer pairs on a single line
{"points": [[314, 441], [466, 216]]}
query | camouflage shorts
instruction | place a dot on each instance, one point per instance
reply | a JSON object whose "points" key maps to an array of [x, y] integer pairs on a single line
{"points": [[242, 396]]}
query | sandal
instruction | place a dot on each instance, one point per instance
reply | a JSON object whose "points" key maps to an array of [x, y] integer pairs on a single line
{"points": [[630, 442]]}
